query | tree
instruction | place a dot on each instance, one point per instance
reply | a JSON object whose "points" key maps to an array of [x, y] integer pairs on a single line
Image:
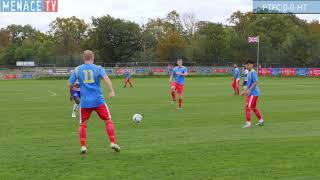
{"points": [[173, 20], [158, 29], [189, 22], [161, 26], [7, 55], [45, 51], [284, 40], [208, 44], [116, 40], [149, 44], [171, 46], [19, 33], [278, 35], [69, 34], [4, 39]]}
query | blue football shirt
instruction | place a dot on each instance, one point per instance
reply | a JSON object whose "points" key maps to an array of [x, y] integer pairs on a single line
{"points": [[246, 72], [89, 76], [252, 78], [179, 78], [127, 74], [236, 73]]}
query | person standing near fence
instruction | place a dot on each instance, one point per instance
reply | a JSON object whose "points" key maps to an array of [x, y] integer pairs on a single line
{"points": [[75, 96], [236, 80], [127, 78], [245, 76]]}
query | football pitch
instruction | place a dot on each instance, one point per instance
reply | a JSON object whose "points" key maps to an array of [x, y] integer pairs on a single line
{"points": [[39, 139]]}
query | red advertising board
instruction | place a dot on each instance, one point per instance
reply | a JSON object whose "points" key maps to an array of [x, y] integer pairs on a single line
{"points": [[120, 71], [159, 70], [288, 71], [10, 76], [192, 70], [264, 71], [221, 70], [314, 72]]}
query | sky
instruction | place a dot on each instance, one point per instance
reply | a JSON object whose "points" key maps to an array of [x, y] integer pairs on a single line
{"points": [[138, 11]]}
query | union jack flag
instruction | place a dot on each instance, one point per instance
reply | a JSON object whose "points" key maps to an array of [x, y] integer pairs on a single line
{"points": [[253, 39]]}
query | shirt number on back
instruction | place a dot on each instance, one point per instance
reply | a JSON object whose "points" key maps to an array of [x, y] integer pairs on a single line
{"points": [[88, 76]]}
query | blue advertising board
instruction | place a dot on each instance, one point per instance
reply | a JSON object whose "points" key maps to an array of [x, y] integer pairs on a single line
{"points": [[25, 76], [302, 71], [140, 71], [276, 72], [205, 70], [109, 71]]}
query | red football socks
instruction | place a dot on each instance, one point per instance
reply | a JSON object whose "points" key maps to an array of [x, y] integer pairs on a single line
{"points": [[258, 113], [180, 103], [82, 134], [126, 82], [173, 94], [110, 131], [248, 114], [235, 90]]}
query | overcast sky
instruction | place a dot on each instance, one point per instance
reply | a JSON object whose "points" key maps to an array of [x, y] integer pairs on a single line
{"points": [[134, 10]]}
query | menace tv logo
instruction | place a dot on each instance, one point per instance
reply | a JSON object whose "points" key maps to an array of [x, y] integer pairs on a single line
{"points": [[28, 5]]}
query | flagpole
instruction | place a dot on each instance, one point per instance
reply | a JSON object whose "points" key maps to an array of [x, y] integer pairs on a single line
{"points": [[258, 54]]}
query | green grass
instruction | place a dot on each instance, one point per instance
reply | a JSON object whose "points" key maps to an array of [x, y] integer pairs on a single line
{"points": [[39, 139]]}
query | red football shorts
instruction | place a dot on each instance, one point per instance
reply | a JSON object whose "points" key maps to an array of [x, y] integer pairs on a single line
{"points": [[102, 111], [252, 101], [235, 83], [178, 87]]}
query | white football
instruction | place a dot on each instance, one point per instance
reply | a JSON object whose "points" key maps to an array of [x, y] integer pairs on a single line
{"points": [[137, 118]]}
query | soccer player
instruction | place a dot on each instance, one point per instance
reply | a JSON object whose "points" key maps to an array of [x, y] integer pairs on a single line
{"points": [[252, 94], [245, 75], [236, 80], [89, 75], [75, 96], [179, 73], [127, 78]]}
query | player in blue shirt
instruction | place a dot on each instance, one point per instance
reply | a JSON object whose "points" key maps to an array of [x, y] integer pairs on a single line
{"points": [[89, 75], [245, 76], [236, 80], [75, 96], [252, 94], [127, 78], [178, 74]]}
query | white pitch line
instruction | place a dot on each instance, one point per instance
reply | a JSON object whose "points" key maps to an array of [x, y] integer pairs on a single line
{"points": [[52, 93]]}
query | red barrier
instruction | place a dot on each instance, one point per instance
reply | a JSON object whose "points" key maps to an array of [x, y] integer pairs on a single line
{"points": [[314, 72], [159, 70], [221, 70], [288, 71], [264, 71], [10, 76], [120, 71], [191, 70]]}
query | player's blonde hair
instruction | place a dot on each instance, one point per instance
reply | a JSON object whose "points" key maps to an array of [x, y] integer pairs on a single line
{"points": [[88, 55]]}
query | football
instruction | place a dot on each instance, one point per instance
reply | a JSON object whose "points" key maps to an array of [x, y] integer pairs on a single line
{"points": [[137, 118]]}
